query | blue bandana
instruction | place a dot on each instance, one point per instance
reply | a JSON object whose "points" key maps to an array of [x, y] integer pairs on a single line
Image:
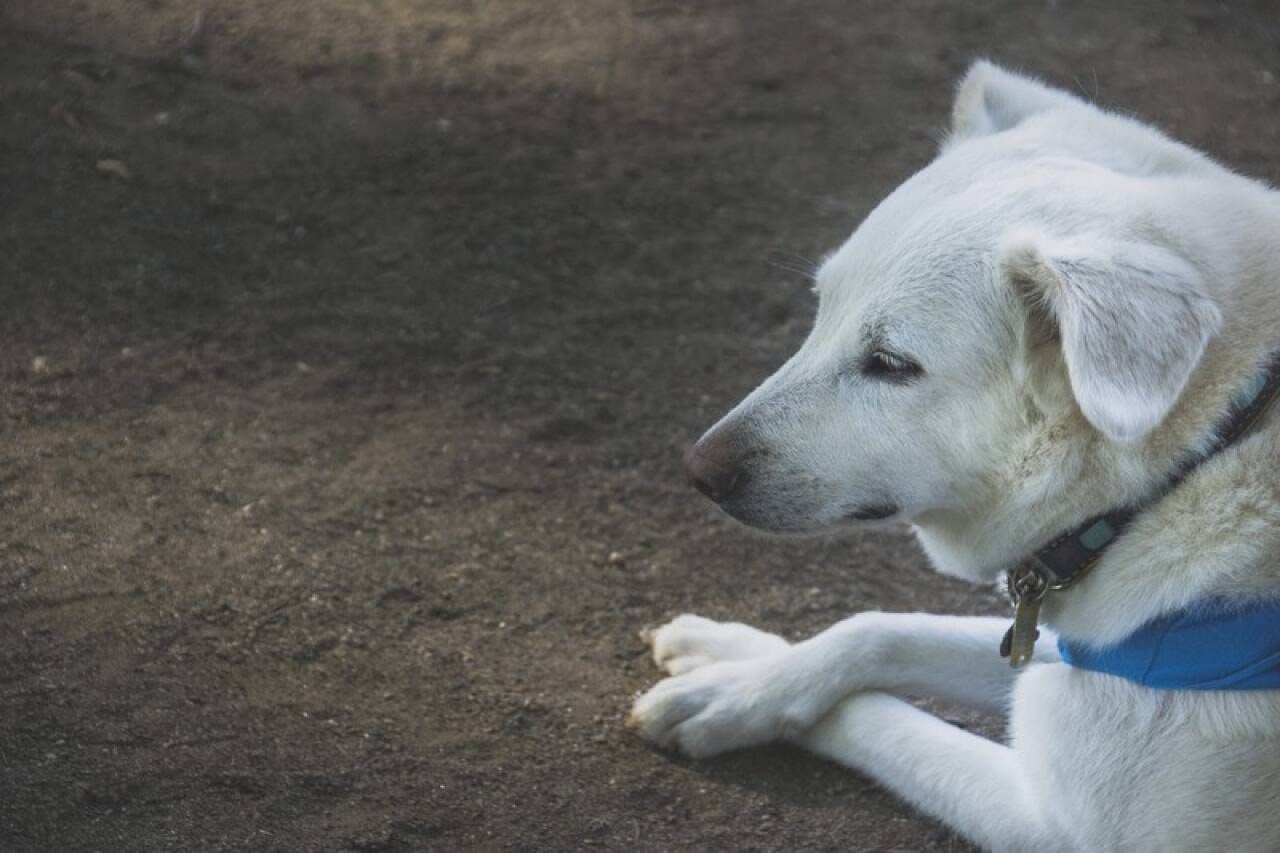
{"points": [[1210, 647]]}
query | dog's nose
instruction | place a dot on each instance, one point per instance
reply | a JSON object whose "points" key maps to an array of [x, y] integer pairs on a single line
{"points": [[714, 470]]}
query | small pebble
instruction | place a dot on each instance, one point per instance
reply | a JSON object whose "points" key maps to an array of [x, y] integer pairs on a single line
{"points": [[113, 168]]}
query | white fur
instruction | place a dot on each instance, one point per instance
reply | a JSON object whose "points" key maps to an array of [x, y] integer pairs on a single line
{"points": [[1084, 296]]}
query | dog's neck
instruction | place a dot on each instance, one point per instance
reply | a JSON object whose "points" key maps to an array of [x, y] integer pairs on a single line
{"points": [[1070, 558], [1216, 535]]}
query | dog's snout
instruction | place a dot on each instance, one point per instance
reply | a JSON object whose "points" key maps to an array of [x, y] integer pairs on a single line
{"points": [[715, 469]]}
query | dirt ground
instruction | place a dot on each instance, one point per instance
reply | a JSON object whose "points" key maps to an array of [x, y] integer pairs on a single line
{"points": [[347, 350]]}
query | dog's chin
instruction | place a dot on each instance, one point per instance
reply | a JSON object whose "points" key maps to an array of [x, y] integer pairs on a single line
{"points": [[794, 524]]}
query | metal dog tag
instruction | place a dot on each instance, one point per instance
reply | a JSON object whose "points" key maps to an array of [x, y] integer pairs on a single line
{"points": [[1023, 633], [1027, 589]]}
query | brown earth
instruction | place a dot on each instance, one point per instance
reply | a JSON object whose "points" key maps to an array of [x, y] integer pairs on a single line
{"points": [[346, 354]]}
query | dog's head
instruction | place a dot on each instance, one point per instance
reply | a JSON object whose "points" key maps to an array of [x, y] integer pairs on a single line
{"points": [[1014, 323]]}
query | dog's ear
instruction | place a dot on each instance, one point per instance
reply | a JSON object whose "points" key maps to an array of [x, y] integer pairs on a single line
{"points": [[1133, 320], [991, 99]]}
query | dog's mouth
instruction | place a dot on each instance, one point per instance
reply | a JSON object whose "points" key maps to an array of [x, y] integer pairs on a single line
{"points": [[876, 512], [799, 524]]}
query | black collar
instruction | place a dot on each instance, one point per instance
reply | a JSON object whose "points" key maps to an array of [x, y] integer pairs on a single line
{"points": [[1070, 556]]}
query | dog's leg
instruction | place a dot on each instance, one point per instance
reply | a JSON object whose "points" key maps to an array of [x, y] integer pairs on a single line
{"points": [[727, 701], [952, 658], [742, 686], [975, 786]]}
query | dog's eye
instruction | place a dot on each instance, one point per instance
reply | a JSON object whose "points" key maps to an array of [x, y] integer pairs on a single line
{"points": [[890, 367]]}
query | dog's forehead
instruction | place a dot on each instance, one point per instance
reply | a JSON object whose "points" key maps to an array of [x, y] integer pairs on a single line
{"points": [[939, 215], [924, 258], [932, 271]]}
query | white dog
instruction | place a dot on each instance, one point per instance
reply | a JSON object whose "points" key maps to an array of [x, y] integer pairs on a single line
{"points": [[1057, 319]]}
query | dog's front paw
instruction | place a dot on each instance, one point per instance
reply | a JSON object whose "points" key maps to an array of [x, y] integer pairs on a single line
{"points": [[689, 642], [726, 705]]}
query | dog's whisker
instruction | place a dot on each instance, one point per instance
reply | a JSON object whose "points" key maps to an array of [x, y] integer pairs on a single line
{"points": [[793, 262]]}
